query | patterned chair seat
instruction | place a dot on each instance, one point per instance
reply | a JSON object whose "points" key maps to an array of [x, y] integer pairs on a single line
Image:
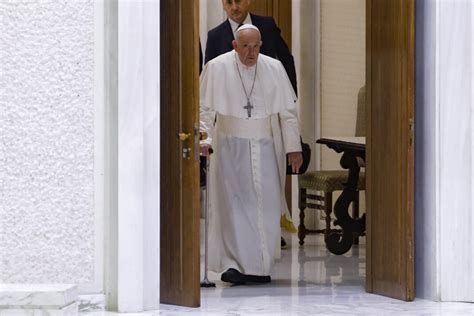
{"points": [[326, 181]]}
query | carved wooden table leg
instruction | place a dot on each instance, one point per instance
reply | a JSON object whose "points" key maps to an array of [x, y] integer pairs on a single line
{"points": [[302, 206], [340, 242], [328, 211]]}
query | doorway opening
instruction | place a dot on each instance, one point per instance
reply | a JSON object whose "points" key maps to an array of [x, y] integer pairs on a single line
{"points": [[329, 85], [389, 141]]}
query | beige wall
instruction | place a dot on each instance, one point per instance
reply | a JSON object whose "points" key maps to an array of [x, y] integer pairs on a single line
{"points": [[342, 70], [342, 74]]}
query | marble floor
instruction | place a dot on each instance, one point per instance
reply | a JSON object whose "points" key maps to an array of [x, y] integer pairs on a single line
{"points": [[307, 281]]}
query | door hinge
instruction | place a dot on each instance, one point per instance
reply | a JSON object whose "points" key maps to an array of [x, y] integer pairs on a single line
{"points": [[411, 131]]}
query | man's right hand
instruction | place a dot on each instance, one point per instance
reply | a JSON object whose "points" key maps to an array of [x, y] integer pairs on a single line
{"points": [[205, 150]]}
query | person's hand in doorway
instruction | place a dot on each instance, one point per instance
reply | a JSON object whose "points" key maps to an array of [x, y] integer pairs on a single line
{"points": [[295, 160]]}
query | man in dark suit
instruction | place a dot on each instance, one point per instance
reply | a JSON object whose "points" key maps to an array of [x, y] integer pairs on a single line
{"points": [[219, 39]]}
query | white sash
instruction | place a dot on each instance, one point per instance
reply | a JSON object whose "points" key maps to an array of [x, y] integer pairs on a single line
{"points": [[244, 128]]}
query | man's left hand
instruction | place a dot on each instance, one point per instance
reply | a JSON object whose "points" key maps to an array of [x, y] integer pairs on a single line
{"points": [[295, 160]]}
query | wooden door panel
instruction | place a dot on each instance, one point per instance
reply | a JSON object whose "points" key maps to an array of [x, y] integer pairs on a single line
{"points": [[262, 7], [280, 10], [282, 14], [179, 179], [390, 148]]}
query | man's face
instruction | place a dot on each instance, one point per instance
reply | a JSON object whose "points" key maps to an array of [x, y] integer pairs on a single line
{"points": [[237, 10], [247, 45]]}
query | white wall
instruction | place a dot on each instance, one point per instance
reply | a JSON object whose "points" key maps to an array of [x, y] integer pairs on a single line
{"points": [[444, 151], [47, 161]]}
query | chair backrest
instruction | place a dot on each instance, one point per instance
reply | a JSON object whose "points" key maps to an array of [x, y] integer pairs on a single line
{"points": [[360, 119]]}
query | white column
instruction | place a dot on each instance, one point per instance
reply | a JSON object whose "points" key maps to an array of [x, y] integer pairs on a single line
{"points": [[444, 152], [306, 42], [133, 233], [455, 154], [426, 167]]}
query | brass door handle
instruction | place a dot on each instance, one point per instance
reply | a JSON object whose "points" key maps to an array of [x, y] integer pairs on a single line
{"points": [[184, 136]]}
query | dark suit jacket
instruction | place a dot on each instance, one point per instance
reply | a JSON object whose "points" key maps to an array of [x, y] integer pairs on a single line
{"points": [[219, 41]]}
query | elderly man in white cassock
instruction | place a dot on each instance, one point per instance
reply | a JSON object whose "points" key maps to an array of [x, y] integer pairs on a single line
{"points": [[248, 109]]}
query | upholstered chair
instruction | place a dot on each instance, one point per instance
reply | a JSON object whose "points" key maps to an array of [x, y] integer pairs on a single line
{"points": [[316, 188]]}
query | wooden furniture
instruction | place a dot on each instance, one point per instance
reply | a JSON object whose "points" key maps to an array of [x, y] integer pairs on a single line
{"points": [[353, 156], [326, 181]]}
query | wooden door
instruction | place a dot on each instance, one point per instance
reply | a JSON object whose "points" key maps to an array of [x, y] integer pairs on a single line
{"points": [[390, 147], [280, 10], [179, 180]]}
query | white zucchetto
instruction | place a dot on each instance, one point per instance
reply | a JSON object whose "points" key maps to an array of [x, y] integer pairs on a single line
{"points": [[247, 26]]}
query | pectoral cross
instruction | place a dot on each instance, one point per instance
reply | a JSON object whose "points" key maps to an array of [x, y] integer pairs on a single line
{"points": [[249, 108]]}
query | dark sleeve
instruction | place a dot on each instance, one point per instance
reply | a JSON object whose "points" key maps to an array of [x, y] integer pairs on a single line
{"points": [[210, 49], [200, 57], [284, 55]]}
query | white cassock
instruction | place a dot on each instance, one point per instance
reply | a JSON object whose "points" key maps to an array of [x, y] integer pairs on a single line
{"points": [[247, 172]]}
